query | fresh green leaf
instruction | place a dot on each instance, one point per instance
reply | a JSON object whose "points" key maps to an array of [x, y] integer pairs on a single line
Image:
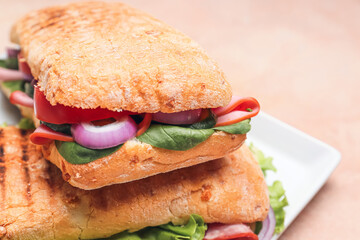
{"points": [[11, 63], [264, 162], [174, 137], [208, 122], [236, 128], [184, 138], [76, 154], [14, 85], [278, 201], [63, 128], [277, 195], [193, 230], [258, 227], [29, 89], [26, 124], [2, 63]]}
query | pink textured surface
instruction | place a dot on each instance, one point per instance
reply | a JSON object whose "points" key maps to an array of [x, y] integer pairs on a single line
{"points": [[301, 60]]}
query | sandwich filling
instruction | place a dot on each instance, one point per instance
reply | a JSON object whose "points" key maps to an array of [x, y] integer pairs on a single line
{"points": [[84, 135]]}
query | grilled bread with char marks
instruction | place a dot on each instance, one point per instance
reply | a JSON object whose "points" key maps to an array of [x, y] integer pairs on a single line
{"points": [[35, 202]]}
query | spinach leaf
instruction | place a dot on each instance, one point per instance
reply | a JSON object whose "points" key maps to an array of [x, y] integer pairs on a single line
{"points": [[184, 138], [29, 89], [208, 122], [14, 85], [236, 128], [63, 128], [174, 137], [193, 230], [74, 153]]}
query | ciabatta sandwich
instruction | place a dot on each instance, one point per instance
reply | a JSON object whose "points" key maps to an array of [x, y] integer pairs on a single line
{"points": [[122, 96]]}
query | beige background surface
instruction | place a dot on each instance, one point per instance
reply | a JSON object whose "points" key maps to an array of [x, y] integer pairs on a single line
{"points": [[301, 60]]}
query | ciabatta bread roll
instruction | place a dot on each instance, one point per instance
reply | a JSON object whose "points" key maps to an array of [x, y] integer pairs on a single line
{"points": [[35, 202]]}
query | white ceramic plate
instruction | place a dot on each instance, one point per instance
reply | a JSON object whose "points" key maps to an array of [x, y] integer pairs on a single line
{"points": [[303, 162]]}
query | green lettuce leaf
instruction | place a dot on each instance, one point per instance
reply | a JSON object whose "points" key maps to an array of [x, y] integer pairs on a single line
{"points": [[14, 85], [26, 124], [277, 195], [76, 154], [10, 63], [193, 230], [264, 162], [278, 201]]}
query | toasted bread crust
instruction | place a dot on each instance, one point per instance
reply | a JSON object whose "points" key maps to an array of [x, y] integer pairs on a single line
{"points": [[35, 202], [136, 160], [109, 55]]}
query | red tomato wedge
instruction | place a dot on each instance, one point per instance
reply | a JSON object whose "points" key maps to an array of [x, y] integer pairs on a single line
{"points": [[218, 231], [60, 114], [238, 110], [44, 134], [144, 125], [21, 98], [23, 66]]}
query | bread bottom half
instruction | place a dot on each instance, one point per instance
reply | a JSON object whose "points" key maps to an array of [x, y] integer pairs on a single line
{"points": [[36, 203], [136, 160]]}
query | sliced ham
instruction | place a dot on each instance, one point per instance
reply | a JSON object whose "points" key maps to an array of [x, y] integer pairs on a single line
{"points": [[237, 110], [44, 134], [218, 231]]}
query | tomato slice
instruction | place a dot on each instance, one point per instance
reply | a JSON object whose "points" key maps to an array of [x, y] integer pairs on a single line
{"points": [[60, 114], [23, 66], [144, 125]]}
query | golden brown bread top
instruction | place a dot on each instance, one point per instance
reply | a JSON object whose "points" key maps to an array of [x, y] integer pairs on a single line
{"points": [[136, 160], [109, 55], [35, 203]]}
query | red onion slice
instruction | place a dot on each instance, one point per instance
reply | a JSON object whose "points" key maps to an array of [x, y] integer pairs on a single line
{"points": [[11, 75], [268, 227], [107, 136], [12, 52], [178, 118]]}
